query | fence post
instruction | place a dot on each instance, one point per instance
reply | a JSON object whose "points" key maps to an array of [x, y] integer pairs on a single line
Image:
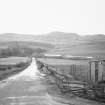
{"points": [[71, 67], [96, 70], [73, 71], [90, 70], [100, 72]]}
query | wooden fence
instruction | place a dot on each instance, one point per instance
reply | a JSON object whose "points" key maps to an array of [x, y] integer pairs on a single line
{"points": [[84, 70]]}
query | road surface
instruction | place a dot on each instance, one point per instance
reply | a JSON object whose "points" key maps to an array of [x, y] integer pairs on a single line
{"points": [[29, 88]]}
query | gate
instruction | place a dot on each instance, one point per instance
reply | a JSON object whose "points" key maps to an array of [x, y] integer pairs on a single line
{"points": [[91, 72]]}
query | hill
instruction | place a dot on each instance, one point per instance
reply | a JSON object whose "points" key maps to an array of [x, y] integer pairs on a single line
{"points": [[21, 45], [74, 44], [65, 43]]}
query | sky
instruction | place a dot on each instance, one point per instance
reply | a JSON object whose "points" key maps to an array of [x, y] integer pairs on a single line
{"points": [[44, 16]]}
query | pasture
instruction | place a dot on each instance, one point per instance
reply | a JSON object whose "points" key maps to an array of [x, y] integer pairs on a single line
{"points": [[12, 60], [12, 65], [78, 68]]}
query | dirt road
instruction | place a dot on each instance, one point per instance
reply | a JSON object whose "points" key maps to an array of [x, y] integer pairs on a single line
{"points": [[30, 88]]}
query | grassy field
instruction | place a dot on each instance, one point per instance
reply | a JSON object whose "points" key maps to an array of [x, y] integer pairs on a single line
{"points": [[12, 60], [78, 68], [54, 61], [12, 65]]}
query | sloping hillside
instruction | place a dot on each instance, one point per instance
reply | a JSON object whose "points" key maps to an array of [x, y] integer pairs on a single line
{"points": [[53, 37], [60, 43], [73, 44]]}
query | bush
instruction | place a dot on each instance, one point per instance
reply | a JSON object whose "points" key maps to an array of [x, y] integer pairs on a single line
{"points": [[20, 64], [3, 68], [20, 51]]}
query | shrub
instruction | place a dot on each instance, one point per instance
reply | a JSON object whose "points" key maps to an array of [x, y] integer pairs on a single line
{"points": [[20, 64]]}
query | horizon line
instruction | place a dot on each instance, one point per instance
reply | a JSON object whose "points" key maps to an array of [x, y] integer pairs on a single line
{"points": [[52, 32]]}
